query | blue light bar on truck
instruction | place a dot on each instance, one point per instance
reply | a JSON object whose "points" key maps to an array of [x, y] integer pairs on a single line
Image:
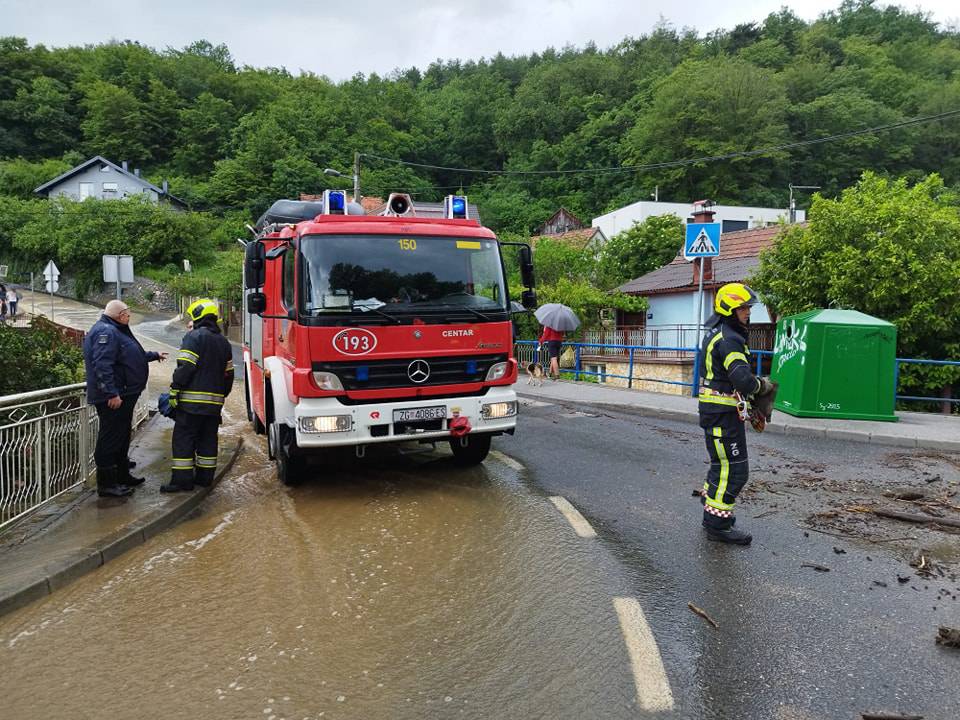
{"points": [[334, 202], [455, 207]]}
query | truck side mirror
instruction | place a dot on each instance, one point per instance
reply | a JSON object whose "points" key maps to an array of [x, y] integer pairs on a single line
{"points": [[256, 303], [528, 298], [526, 267], [254, 270]]}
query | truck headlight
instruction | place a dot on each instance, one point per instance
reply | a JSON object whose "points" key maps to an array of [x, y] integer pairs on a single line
{"points": [[497, 371], [326, 424], [494, 411], [327, 381]]}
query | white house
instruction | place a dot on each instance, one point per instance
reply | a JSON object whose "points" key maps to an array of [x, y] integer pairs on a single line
{"points": [[732, 217]]}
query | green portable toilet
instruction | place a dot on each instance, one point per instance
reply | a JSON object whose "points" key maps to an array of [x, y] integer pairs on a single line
{"points": [[835, 364]]}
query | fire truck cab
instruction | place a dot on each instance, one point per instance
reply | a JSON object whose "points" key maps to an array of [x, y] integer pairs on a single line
{"points": [[363, 329]]}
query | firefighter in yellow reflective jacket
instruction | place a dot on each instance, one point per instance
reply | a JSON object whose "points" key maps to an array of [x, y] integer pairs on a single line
{"points": [[201, 383], [728, 385]]}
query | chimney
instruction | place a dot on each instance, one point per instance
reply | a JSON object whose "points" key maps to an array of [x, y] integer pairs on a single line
{"points": [[166, 187], [124, 166], [702, 212], [136, 171]]}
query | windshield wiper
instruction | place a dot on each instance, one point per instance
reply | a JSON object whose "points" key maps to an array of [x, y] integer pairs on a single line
{"points": [[392, 318], [450, 306]]}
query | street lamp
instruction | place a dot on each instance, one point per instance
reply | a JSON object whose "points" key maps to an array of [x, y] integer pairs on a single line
{"points": [[793, 205], [355, 176]]}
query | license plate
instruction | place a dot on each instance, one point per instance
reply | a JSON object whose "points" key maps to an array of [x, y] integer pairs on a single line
{"points": [[416, 414]]}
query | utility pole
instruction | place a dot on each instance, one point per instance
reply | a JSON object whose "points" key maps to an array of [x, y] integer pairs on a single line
{"points": [[356, 177], [793, 205]]}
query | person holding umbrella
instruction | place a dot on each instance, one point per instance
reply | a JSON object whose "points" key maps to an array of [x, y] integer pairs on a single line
{"points": [[556, 320]]}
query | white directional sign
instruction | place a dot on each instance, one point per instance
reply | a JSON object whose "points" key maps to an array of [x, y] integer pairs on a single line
{"points": [[51, 271], [702, 240], [52, 286]]}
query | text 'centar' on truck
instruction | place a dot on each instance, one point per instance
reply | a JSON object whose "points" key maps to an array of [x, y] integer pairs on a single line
{"points": [[364, 329]]}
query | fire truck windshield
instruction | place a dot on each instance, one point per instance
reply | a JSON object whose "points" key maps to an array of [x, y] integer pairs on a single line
{"points": [[401, 275]]}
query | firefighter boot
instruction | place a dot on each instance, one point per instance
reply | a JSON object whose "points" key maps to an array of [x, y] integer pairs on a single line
{"points": [[720, 529], [107, 484], [177, 485]]}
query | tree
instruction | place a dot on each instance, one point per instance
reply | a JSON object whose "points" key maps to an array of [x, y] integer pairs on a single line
{"points": [[646, 246], [116, 124], [713, 107], [885, 248], [44, 358]]}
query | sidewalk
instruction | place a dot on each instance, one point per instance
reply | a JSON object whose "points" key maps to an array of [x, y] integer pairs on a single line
{"points": [[79, 531], [923, 430]]}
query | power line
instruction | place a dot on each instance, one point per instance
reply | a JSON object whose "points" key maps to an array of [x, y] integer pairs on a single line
{"points": [[680, 163]]}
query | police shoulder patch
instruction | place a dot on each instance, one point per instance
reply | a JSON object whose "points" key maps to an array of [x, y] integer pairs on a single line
{"points": [[103, 339]]}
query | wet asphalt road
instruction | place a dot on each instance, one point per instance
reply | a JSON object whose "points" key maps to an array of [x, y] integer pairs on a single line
{"points": [[400, 582], [793, 643]]}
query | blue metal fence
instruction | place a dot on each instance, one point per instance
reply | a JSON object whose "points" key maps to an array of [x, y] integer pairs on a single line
{"points": [[526, 350]]}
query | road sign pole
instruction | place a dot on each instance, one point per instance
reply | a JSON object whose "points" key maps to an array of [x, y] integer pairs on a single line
{"points": [[700, 304], [33, 298]]}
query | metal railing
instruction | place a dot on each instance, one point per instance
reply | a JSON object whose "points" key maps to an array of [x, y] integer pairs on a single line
{"points": [[917, 361], [525, 352], [47, 438]]}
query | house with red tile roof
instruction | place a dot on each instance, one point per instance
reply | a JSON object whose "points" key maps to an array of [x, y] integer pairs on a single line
{"points": [[672, 290]]}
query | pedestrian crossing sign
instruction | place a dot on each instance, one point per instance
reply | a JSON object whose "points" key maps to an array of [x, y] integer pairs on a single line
{"points": [[702, 240]]}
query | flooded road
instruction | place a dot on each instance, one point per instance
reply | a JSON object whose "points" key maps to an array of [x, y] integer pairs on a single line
{"points": [[395, 587]]}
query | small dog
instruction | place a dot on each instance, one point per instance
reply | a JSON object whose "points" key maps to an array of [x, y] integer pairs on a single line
{"points": [[534, 374]]}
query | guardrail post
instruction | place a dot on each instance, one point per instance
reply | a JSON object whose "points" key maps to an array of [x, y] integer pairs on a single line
{"points": [[82, 427], [694, 391], [896, 380], [630, 373], [576, 363]]}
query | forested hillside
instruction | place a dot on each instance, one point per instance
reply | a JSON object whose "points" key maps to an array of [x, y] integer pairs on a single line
{"points": [[236, 138]]}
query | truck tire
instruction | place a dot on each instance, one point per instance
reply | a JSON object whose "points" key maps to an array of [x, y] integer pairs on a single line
{"points": [[473, 451], [291, 468]]}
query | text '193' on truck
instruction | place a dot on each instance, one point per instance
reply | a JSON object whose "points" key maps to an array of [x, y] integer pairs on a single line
{"points": [[364, 329]]}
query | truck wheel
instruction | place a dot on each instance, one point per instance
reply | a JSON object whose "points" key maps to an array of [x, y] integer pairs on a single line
{"points": [[473, 452], [291, 468]]}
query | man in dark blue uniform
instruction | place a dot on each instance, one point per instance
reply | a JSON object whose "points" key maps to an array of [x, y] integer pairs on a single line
{"points": [[201, 383], [116, 369], [728, 386]]}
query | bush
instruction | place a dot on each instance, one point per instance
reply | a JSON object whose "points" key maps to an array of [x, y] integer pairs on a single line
{"points": [[44, 358]]}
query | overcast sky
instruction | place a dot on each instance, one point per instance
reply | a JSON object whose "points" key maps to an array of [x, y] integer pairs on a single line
{"points": [[339, 39]]}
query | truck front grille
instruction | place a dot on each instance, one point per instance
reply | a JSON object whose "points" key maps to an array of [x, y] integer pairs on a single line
{"points": [[380, 374]]}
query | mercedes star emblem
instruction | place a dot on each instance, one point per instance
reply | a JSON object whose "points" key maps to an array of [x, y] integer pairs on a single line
{"points": [[418, 371]]}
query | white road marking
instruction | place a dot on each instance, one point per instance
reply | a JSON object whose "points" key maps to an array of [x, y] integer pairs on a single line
{"points": [[573, 516], [506, 460], [649, 675]]}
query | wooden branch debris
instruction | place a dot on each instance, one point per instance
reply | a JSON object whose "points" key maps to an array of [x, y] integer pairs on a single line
{"points": [[889, 716], [818, 568], [948, 637], [914, 518], [703, 613]]}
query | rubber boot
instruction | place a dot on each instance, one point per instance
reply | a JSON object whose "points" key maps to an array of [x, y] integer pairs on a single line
{"points": [[203, 477], [107, 485], [721, 530], [731, 536], [175, 486], [129, 480]]}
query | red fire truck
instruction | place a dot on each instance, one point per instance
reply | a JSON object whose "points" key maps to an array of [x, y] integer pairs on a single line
{"points": [[363, 329]]}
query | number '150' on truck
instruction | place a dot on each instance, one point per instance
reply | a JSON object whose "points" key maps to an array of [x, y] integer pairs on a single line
{"points": [[376, 328]]}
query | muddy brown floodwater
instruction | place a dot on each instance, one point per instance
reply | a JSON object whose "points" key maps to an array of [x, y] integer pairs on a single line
{"points": [[399, 587]]}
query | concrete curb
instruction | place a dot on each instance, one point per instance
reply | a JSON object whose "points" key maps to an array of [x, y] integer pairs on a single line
{"points": [[53, 576], [783, 427]]}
